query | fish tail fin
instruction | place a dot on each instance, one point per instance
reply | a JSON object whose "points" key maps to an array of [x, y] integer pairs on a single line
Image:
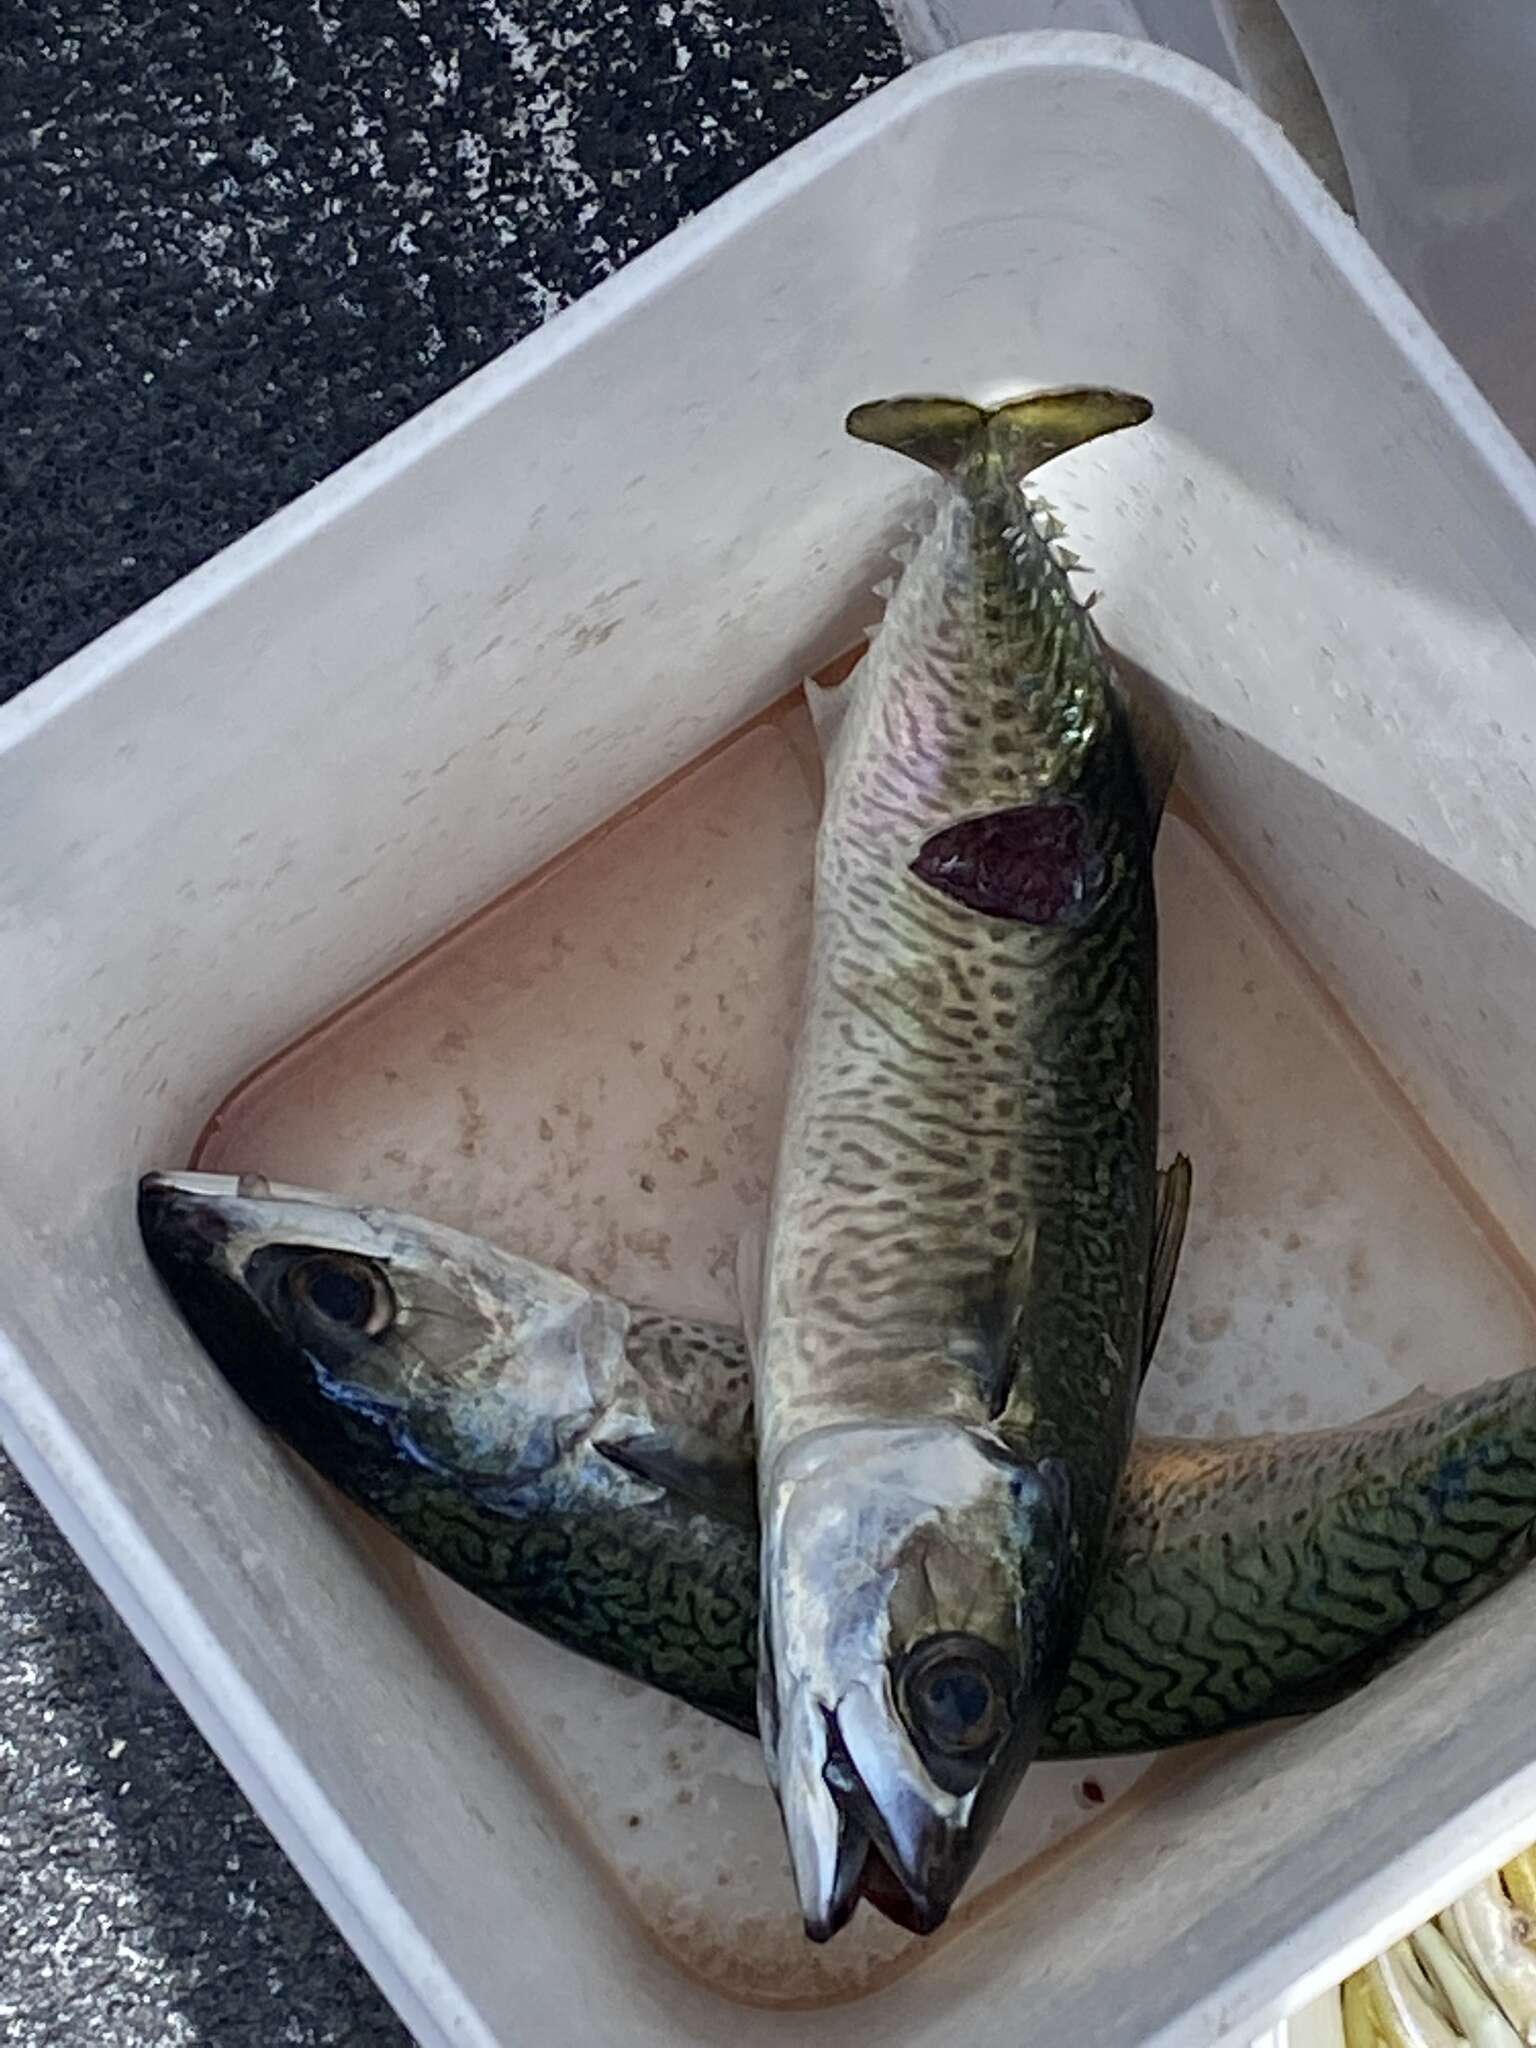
{"points": [[947, 433]]}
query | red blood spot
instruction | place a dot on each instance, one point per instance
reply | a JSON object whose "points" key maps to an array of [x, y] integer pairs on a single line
{"points": [[1035, 864], [1093, 1792], [882, 1889]]}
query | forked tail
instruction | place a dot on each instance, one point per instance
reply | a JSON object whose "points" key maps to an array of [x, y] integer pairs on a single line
{"points": [[948, 433]]}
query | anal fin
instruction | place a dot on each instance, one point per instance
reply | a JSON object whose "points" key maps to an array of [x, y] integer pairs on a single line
{"points": [[829, 696]]}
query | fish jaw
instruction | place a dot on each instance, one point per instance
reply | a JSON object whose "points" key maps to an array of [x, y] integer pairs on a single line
{"points": [[905, 1673], [190, 1224], [827, 1843], [199, 1219], [839, 1814]]}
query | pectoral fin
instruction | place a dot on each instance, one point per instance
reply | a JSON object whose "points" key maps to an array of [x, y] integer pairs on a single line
{"points": [[989, 1345], [992, 1351], [694, 1475], [1174, 1186]]}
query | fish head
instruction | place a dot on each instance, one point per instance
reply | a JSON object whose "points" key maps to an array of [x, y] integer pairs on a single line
{"points": [[350, 1329], [913, 1642]]}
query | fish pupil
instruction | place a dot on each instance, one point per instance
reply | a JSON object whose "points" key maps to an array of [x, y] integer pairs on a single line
{"points": [[338, 1293], [959, 1702], [954, 1691]]}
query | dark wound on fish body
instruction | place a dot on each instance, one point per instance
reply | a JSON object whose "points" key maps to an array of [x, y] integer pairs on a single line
{"points": [[1033, 864]]}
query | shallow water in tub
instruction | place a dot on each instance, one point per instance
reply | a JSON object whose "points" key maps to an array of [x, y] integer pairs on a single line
{"points": [[592, 1071]]}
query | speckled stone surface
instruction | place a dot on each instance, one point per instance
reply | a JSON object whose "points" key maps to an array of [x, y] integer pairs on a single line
{"points": [[142, 1904], [242, 242], [237, 244]]}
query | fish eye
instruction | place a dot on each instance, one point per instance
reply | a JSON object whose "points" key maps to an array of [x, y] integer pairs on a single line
{"points": [[954, 1693], [348, 1292]]}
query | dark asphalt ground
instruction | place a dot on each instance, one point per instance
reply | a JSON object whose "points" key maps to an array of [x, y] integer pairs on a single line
{"points": [[237, 245]]}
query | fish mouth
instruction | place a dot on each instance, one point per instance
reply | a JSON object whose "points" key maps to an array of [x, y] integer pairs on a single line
{"points": [[880, 1887], [188, 1222], [865, 1817], [865, 1820], [183, 1218], [186, 1218]]}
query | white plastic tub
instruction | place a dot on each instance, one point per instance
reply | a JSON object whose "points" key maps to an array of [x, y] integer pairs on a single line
{"points": [[1424, 130], [535, 603]]}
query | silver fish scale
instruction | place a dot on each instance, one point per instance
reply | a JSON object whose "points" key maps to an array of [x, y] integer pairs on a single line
{"points": [[966, 1084]]}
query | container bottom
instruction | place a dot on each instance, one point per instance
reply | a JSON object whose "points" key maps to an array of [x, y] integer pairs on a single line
{"points": [[592, 1071]]}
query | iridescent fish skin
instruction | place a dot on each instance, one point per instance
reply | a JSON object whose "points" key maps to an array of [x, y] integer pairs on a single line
{"points": [[953, 1297], [1242, 1580]]}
